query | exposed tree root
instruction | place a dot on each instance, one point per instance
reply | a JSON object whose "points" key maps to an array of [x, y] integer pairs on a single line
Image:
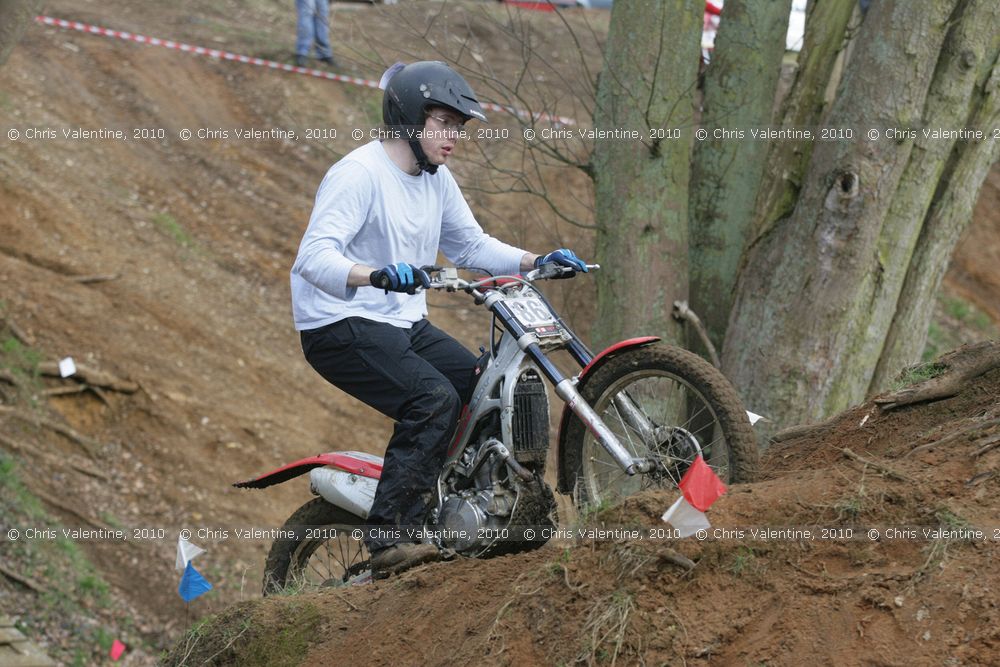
{"points": [[676, 558], [886, 470], [959, 367], [51, 459], [980, 478], [69, 509], [978, 428], [79, 389], [812, 430], [90, 446], [348, 602], [91, 376], [87, 280], [991, 443], [19, 333], [24, 581], [65, 391]]}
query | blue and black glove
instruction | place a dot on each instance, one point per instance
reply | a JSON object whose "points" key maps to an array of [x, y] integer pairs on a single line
{"points": [[400, 277], [563, 257]]}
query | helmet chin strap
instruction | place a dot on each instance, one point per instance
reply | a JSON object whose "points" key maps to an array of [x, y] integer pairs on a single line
{"points": [[422, 161]]}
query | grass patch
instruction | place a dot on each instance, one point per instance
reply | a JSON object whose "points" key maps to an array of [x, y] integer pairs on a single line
{"points": [[251, 634], [19, 365], [72, 586], [744, 562], [589, 513], [289, 645], [849, 508], [945, 517], [17, 502], [167, 224], [605, 628], [917, 374], [19, 360]]}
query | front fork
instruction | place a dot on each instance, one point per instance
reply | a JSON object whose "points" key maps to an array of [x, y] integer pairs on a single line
{"points": [[631, 465]]}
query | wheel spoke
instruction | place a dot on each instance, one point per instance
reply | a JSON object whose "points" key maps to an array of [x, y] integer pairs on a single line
{"points": [[324, 562], [676, 410], [625, 427]]}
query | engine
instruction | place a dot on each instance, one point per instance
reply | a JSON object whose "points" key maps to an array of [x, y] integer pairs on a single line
{"points": [[487, 517], [483, 500], [472, 518]]}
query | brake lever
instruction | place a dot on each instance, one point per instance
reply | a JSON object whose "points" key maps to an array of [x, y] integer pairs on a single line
{"points": [[551, 270], [544, 272]]}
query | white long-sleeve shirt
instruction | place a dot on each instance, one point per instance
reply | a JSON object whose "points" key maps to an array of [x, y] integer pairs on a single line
{"points": [[369, 211]]}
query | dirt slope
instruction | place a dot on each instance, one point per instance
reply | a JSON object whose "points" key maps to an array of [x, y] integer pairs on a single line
{"points": [[199, 237], [903, 597]]}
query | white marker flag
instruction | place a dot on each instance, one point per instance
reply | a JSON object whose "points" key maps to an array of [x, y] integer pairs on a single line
{"points": [[67, 367], [185, 552], [685, 518]]}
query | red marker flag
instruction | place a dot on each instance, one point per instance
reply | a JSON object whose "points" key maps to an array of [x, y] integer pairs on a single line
{"points": [[701, 486], [117, 648]]}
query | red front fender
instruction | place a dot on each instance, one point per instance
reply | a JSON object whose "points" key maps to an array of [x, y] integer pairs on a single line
{"points": [[563, 485]]}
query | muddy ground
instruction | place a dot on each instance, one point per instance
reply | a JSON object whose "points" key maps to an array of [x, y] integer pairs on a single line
{"points": [[919, 590]]}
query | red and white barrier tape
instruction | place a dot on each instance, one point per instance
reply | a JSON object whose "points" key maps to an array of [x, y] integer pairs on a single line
{"points": [[201, 50], [259, 62]]}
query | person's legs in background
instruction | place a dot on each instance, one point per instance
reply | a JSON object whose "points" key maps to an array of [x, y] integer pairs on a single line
{"points": [[321, 32], [304, 10]]}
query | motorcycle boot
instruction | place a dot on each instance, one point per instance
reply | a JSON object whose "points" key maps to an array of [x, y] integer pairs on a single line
{"points": [[401, 557]]}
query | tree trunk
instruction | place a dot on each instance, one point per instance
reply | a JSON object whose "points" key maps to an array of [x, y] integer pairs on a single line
{"points": [[786, 163], [727, 167], [15, 17], [965, 64], [948, 217], [647, 85], [795, 347]]}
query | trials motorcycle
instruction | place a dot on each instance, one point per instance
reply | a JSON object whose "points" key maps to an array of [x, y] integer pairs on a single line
{"points": [[635, 417]]}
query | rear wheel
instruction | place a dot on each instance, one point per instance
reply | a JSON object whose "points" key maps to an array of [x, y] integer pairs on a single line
{"points": [[688, 408], [316, 550]]}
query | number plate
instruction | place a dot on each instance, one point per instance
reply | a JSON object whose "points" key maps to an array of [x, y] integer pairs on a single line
{"points": [[532, 313]]}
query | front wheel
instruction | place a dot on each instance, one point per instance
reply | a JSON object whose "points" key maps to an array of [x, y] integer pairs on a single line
{"points": [[316, 549], [665, 404]]}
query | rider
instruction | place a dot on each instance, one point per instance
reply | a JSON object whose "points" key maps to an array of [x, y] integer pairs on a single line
{"points": [[393, 203]]}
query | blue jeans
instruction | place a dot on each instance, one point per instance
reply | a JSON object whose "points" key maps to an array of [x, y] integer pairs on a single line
{"points": [[314, 17]]}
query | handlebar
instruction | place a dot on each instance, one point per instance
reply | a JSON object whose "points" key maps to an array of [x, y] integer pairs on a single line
{"points": [[446, 278]]}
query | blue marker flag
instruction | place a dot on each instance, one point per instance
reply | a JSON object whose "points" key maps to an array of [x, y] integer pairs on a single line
{"points": [[192, 584]]}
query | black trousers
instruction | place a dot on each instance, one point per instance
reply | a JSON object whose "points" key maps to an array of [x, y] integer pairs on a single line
{"points": [[420, 377]]}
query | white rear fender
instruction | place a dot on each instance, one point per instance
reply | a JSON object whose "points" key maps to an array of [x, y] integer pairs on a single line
{"points": [[349, 491]]}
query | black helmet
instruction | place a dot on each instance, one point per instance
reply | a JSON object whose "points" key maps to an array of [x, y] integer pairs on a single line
{"points": [[418, 86]]}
